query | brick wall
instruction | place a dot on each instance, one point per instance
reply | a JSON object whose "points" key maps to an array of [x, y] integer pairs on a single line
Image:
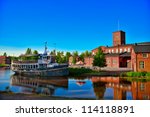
{"points": [[88, 61], [146, 61], [112, 62], [5, 60]]}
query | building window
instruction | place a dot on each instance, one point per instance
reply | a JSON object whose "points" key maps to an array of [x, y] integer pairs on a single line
{"points": [[116, 50], [120, 50], [125, 50], [142, 86], [114, 61], [112, 51], [141, 64], [109, 51], [128, 49], [145, 55]]}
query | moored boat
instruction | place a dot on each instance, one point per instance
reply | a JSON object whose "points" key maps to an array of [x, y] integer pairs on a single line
{"points": [[44, 65]]}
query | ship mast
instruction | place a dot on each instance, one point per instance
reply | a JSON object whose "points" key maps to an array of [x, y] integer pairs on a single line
{"points": [[45, 51]]}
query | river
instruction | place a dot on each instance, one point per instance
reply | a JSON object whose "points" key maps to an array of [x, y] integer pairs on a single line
{"points": [[94, 87]]}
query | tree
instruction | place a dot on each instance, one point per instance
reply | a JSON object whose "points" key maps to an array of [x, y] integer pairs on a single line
{"points": [[28, 51], [59, 57], [35, 52], [82, 55], [5, 54], [68, 54], [53, 52], [99, 59], [75, 55]]}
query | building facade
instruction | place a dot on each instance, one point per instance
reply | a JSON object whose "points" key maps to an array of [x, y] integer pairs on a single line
{"points": [[122, 55], [5, 60]]}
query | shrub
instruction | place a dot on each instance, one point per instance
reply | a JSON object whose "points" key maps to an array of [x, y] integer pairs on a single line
{"points": [[136, 74], [148, 74]]}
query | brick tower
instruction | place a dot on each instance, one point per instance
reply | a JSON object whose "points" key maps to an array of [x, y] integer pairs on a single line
{"points": [[118, 38]]}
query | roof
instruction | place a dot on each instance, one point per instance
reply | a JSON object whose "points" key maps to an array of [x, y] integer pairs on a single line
{"points": [[143, 43], [125, 54], [141, 48], [132, 44]]}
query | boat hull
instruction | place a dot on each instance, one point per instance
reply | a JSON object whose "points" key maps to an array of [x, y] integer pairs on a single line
{"points": [[48, 72]]}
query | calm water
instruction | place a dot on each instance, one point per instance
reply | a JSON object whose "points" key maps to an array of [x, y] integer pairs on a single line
{"points": [[107, 88]]}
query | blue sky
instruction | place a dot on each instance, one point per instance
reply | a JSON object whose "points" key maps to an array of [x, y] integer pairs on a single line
{"points": [[71, 24]]}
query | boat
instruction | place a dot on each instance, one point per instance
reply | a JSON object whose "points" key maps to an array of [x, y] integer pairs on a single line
{"points": [[44, 65]]}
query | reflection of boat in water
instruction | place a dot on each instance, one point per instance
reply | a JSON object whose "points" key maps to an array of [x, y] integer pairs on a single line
{"points": [[43, 65], [39, 85]]}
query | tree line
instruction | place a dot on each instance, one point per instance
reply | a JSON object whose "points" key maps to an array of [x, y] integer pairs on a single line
{"points": [[63, 57]]}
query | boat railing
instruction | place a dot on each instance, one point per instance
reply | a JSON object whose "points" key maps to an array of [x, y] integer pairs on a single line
{"points": [[26, 61]]}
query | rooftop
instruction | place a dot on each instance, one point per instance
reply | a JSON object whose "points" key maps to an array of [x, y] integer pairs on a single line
{"points": [[141, 48]]}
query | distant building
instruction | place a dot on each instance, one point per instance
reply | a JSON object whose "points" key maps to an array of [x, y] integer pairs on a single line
{"points": [[71, 60], [88, 61], [122, 55], [5, 60]]}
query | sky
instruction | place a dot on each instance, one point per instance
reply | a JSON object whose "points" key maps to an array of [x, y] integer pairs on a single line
{"points": [[70, 25]]}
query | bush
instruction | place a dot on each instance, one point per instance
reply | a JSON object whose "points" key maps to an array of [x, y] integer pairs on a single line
{"points": [[136, 74], [148, 74]]}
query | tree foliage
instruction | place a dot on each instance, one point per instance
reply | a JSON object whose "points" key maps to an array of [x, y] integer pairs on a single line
{"points": [[82, 55], [35, 52], [68, 54], [99, 59], [87, 53], [5, 54], [28, 51]]}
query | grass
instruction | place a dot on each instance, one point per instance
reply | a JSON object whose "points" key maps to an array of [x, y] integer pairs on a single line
{"points": [[3, 65], [137, 74]]}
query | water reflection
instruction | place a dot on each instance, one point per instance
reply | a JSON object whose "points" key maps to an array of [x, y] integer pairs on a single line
{"points": [[108, 88], [121, 89]]}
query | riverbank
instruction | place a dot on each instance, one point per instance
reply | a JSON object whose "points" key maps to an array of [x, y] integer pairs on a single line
{"points": [[21, 96], [90, 72], [120, 73]]}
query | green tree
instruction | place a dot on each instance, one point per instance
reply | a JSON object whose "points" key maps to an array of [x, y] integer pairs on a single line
{"points": [[53, 53], [59, 57], [82, 55], [75, 55], [99, 59], [68, 54], [5, 54], [35, 52], [87, 53], [28, 51]]}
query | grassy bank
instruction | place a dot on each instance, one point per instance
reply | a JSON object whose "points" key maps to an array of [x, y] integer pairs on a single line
{"points": [[90, 72], [136, 74], [3, 65]]}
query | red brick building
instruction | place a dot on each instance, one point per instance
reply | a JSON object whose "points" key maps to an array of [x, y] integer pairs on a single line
{"points": [[140, 57], [122, 55], [5, 60]]}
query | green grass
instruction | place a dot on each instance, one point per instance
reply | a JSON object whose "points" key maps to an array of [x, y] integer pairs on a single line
{"points": [[3, 65], [137, 74]]}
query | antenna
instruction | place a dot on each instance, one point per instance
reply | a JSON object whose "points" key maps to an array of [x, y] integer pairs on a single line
{"points": [[46, 45]]}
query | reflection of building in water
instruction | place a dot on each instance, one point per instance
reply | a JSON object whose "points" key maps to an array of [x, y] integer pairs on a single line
{"points": [[139, 90], [37, 85]]}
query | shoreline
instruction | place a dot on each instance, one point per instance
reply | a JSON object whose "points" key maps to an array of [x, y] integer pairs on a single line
{"points": [[21, 96]]}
